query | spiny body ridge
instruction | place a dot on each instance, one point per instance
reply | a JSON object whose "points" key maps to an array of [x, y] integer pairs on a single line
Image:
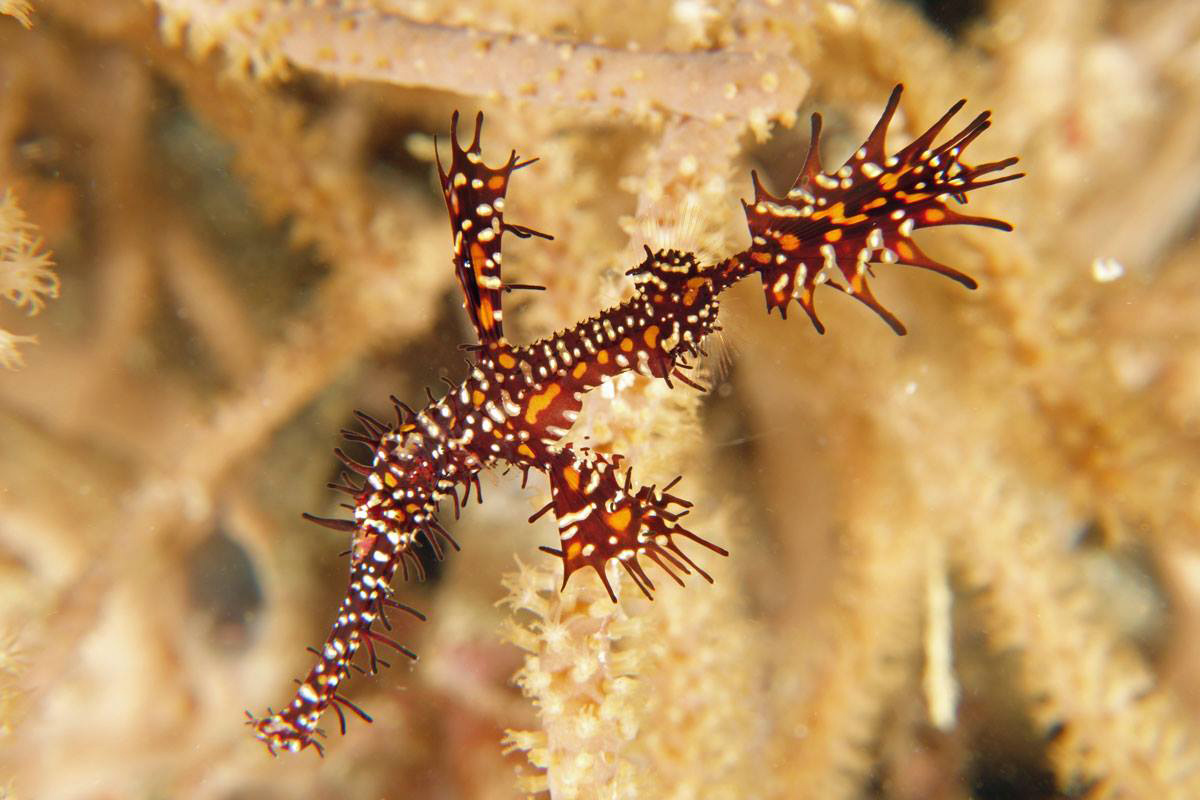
{"points": [[518, 403]]}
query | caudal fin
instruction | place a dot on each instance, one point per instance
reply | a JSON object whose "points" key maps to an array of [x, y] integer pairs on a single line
{"points": [[831, 226]]}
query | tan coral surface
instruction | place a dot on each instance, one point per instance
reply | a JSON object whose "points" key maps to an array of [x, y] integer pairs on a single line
{"points": [[964, 563]]}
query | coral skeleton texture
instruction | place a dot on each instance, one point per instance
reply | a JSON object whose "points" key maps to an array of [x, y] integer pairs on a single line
{"points": [[963, 563]]}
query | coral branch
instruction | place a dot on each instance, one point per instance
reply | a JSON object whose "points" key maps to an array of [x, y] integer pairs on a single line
{"points": [[20, 10], [366, 44], [247, 260], [26, 277]]}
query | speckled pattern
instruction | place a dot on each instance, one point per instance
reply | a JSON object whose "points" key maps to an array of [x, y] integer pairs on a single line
{"points": [[519, 403]]}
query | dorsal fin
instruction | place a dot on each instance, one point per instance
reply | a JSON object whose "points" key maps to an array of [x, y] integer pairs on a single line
{"points": [[474, 194]]}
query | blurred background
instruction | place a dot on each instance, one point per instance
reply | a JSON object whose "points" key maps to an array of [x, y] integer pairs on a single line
{"points": [[964, 563]]}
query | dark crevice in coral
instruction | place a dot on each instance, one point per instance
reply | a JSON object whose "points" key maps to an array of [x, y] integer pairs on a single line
{"points": [[223, 586], [386, 154], [992, 779], [952, 17]]}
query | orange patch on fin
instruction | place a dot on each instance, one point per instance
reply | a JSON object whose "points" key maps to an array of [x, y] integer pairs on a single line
{"points": [[627, 345], [573, 550], [486, 316], [837, 215], [834, 235], [693, 289], [619, 520], [477, 398], [571, 476], [540, 402], [935, 215], [789, 241], [478, 257], [496, 182], [579, 371], [650, 337], [602, 357], [525, 451], [507, 361], [834, 212]]}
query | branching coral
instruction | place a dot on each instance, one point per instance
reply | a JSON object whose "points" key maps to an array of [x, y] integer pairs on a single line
{"points": [[365, 43], [26, 277], [242, 199]]}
